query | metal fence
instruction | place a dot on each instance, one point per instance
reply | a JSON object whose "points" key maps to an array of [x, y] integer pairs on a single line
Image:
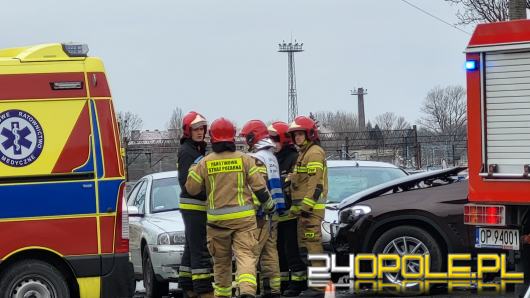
{"points": [[405, 148]]}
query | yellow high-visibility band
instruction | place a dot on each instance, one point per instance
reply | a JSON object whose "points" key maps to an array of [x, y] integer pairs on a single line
{"points": [[201, 276], [253, 171], [192, 207], [235, 215], [309, 202], [195, 177]]}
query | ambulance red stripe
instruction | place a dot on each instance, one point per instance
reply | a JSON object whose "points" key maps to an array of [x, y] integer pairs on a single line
{"points": [[110, 151], [69, 236], [37, 86]]}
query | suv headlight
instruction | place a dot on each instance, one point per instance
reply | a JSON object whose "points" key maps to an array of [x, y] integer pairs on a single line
{"points": [[351, 214], [172, 238]]}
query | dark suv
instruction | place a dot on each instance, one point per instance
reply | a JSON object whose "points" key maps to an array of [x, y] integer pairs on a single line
{"points": [[417, 214]]}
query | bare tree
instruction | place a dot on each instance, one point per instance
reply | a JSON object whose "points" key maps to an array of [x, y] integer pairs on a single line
{"points": [[480, 11], [445, 110], [337, 121], [175, 123], [128, 121], [389, 121]]}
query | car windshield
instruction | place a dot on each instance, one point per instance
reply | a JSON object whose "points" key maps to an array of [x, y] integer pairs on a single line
{"points": [[164, 195], [346, 181]]}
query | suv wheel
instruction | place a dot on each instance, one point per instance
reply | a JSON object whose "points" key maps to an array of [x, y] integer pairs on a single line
{"points": [[404, 240], [153, 287]]}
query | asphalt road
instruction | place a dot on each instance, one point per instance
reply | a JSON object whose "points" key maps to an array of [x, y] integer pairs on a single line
{"points": [[174, 293]]}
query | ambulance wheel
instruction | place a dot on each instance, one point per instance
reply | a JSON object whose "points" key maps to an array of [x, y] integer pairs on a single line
{"points": [[403, 240], [153, 287], [33, 278]]}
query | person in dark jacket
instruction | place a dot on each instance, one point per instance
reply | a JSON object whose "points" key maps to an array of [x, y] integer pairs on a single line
{"points": [[195, 272], [288, 250]]}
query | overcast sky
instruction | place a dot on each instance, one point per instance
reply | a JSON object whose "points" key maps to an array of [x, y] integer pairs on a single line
{"points": [[220, 57]]}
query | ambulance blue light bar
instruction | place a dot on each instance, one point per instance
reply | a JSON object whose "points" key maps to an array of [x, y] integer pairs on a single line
{"points": [[75, 49], [471, 65]]}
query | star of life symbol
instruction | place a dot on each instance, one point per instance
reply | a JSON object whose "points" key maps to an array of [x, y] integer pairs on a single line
{"points": [[21, 138]]}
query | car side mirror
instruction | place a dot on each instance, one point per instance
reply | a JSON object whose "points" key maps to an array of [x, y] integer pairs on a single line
{"points": [[133, 211]]}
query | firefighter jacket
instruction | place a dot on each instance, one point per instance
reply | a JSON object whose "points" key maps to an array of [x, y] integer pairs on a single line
{"points": [[309, 180], [189, 151], [229, 178]]}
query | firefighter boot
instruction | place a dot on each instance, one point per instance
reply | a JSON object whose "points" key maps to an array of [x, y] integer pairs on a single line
{"points": [[295, 288]]}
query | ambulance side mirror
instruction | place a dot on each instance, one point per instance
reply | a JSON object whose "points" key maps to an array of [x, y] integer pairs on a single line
{"points": [[133, 211]]}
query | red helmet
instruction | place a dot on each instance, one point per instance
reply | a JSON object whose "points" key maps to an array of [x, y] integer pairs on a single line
{"points": [[306, 124], [222, 130], [278, 131], [254, 131], [191, 121]]}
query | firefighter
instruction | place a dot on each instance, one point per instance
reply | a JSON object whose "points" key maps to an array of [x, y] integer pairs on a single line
{"points": [[288, 250], [196, 269], [230, 178], [261, 148], [308, 191]]}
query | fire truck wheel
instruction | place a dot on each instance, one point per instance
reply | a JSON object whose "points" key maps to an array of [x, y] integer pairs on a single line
{"points": [[153, 287], [404, 240], [33, 278]]}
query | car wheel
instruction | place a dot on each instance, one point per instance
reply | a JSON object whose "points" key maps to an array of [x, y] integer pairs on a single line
{"points": [[33, 278], [409, 240], [153, 287]]}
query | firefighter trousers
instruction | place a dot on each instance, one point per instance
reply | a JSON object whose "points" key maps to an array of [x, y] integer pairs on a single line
{"points": [[222, 242], [310, 235], [195, 272], [266, 234], [289, 253]]}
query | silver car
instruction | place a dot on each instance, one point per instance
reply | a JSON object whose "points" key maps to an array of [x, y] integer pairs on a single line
{"points": [[347, 177], [156, 231]]}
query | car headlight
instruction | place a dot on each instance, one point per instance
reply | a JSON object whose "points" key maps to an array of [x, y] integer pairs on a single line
{"points": [[351, 214], [172, 238]]}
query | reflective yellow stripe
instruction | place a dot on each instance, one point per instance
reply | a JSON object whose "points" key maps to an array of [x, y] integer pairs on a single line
{"points": [[224, 165], [299, 169], [192, 207], [253, 171], [315, 165], [240, 189], [229, 216], [309, 202], [245, 277], [275, 281], [298, 278], [262, 170], [212, 191], [285, 278], [184, 274], [195, 176], [201, 276], [255, 200], [319, 206], [220, 291]]}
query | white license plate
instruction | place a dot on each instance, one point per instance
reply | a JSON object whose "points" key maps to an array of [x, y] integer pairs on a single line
{"points": [[497, 238]]}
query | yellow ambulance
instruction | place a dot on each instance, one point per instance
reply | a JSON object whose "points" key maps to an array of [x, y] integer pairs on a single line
{"points": [[62, 216]]}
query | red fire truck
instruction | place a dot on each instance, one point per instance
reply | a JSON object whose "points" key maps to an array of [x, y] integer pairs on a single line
{"points": [[498, 102]]}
